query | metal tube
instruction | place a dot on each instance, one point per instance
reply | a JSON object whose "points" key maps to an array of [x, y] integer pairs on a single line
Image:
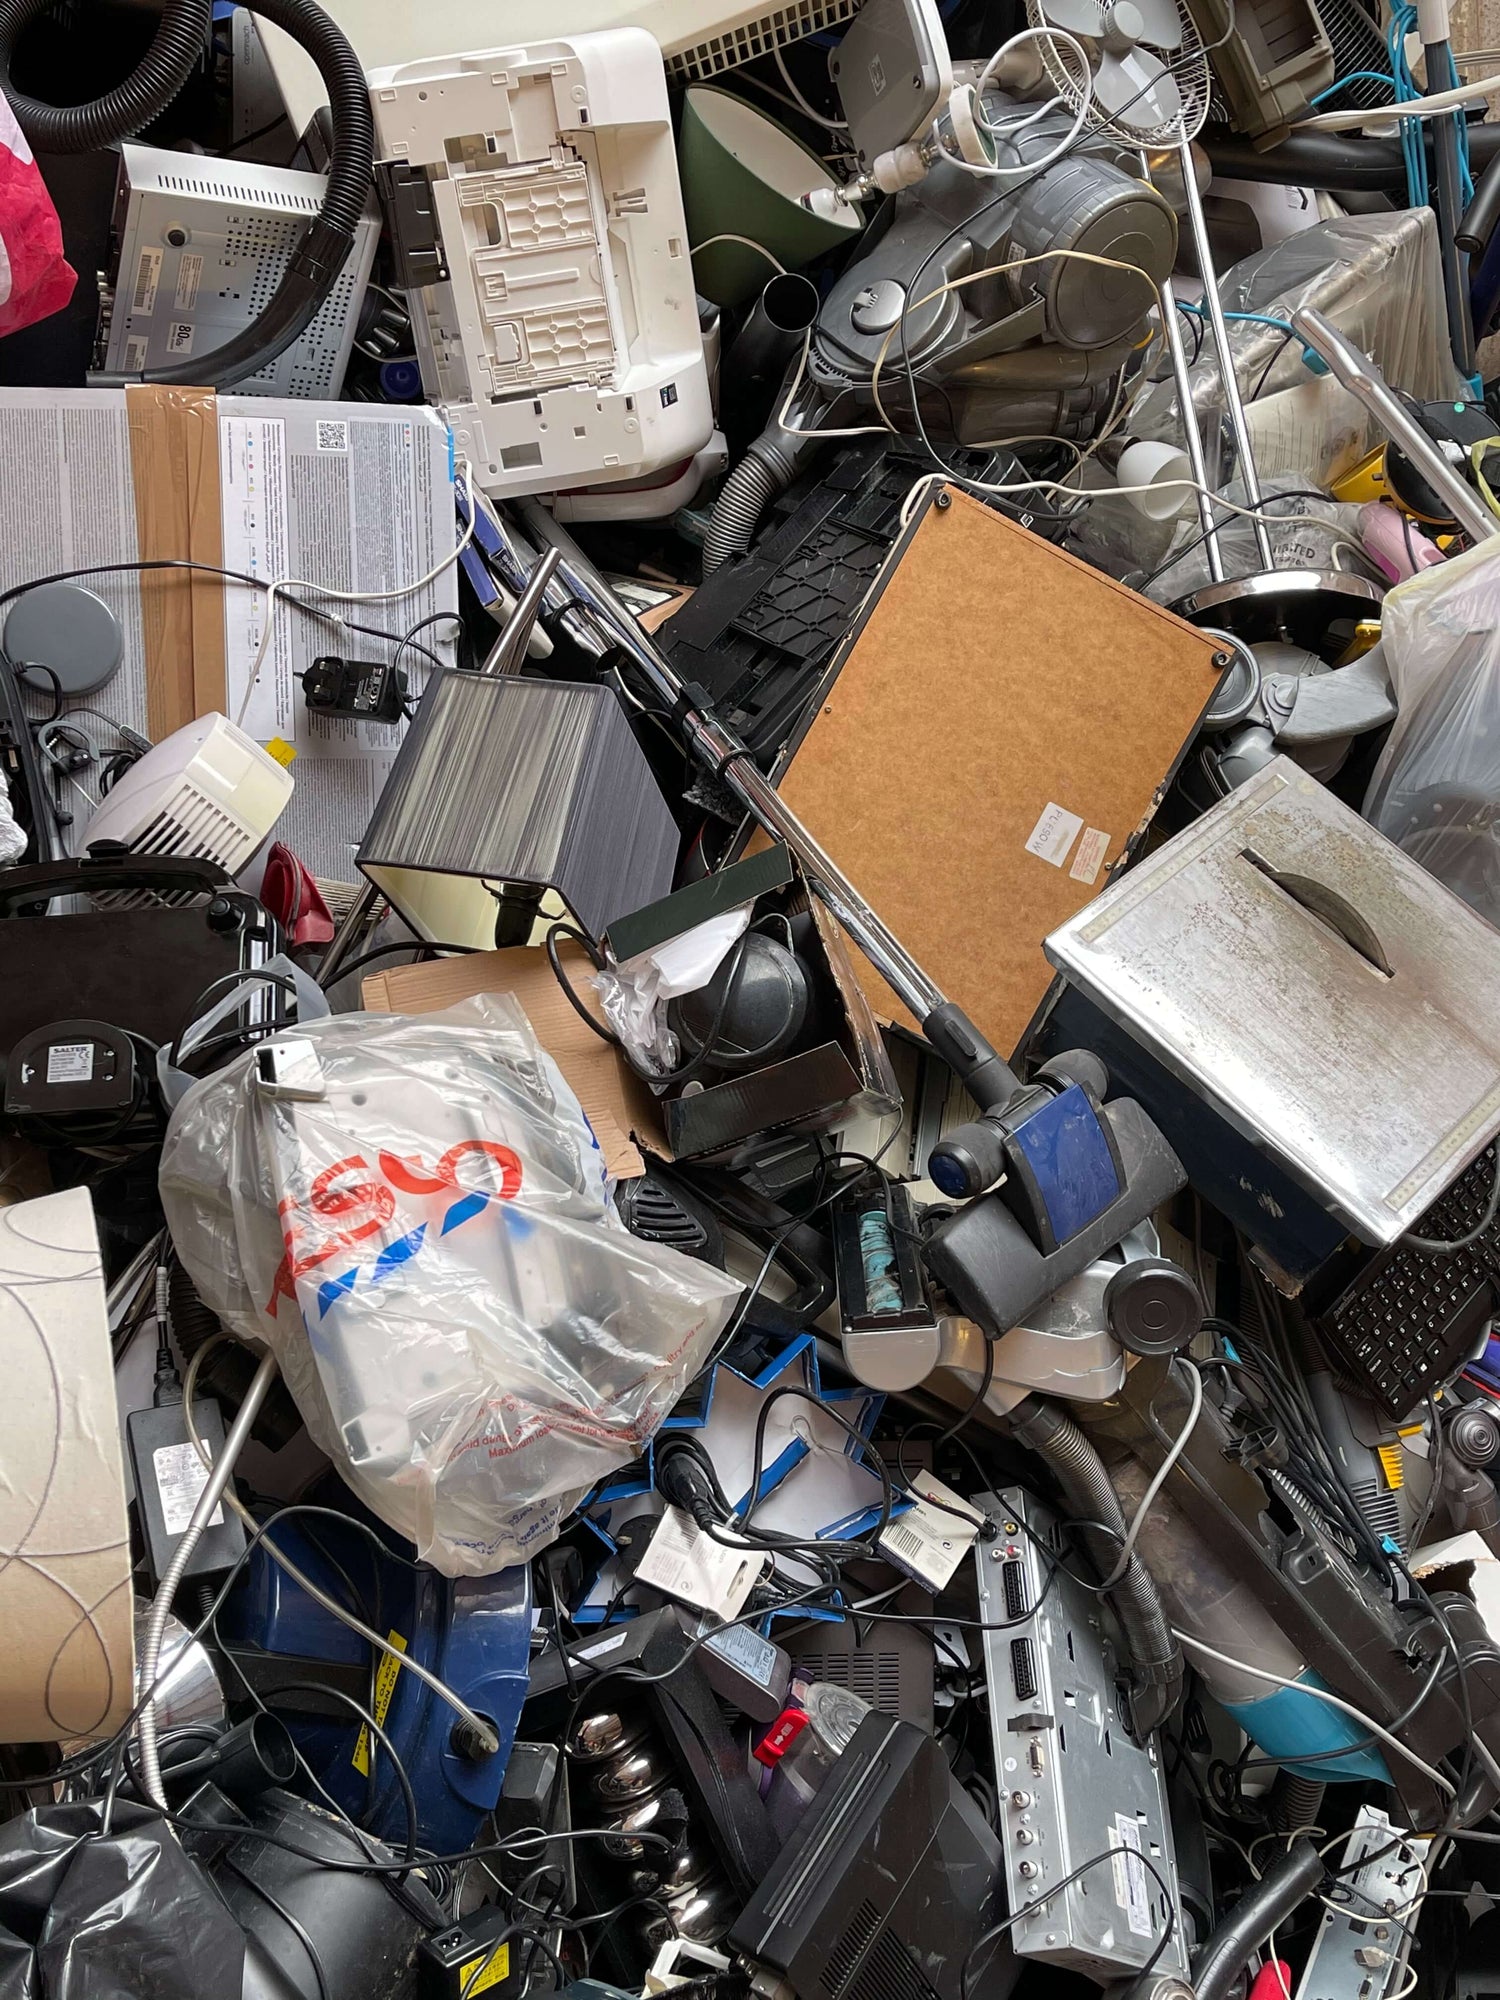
{"points": [[1357, 373], [513, 560], [348, 934], [1232, 400], [717, 748], [161, 1604], [1192, 437], [509, 650]]}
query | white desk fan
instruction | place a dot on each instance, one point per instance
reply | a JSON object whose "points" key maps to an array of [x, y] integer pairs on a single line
{"points": [[1149, 84]]}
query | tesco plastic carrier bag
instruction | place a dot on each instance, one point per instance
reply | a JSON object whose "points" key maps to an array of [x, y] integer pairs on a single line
{"points": [[413, 1215]]}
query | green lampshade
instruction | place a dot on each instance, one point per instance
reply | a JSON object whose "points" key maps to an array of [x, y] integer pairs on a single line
{"points": [[744, 174]]}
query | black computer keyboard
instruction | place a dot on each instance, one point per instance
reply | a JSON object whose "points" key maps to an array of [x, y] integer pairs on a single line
{"points": [[1409, 1319]]}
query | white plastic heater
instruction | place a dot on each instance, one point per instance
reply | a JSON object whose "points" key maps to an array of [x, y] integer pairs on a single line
{"points": [[207, 790]]}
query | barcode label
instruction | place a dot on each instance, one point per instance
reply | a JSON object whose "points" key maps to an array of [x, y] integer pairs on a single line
{"points": [[147, 278], [189, 276], [929, 1542], [1131, 1891], [137, 347], [333, 436], [904, 1542]]}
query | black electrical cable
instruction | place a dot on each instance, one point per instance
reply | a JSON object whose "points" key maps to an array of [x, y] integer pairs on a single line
{"points": [[1169, 1929], [488, 1955], [1297, 1405], [380, 1868], [1435, 1474], [1276, 353], [689, 1070], [152, 563], [569, 1672], [294, 1924], [1449, 1246], [378, 1735], [408, 637], [887, 1489], [386, 950], [281, 980]]}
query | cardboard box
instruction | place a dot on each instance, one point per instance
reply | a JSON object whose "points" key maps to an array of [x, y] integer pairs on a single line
{"points": [[619, 1106], [813, 1090]]}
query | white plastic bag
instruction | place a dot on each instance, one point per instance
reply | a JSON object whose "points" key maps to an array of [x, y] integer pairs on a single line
{"points": [[429, 1249], [634, 994], [1436, 788]]}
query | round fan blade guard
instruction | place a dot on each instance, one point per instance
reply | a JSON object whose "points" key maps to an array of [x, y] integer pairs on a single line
{"points": [[1186, 63]]}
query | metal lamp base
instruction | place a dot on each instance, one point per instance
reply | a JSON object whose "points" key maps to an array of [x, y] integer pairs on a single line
{"points": [[1297, 605]]}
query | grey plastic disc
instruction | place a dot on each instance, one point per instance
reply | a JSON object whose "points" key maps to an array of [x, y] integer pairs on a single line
{"points": [[68, 629]]}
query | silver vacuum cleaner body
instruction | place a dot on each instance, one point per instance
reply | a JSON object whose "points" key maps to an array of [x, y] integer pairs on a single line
{"points": [[1027, 347]]}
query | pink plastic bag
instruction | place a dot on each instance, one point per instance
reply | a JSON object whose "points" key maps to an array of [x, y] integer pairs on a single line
{"points": [[35, 277]]}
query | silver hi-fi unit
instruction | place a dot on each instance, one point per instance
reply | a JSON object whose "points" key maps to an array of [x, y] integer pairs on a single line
{"points": [[1075, 1786], [201, 244]]}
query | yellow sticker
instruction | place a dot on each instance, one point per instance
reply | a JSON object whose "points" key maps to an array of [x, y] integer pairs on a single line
{"points": [[497, 1969], [385, 1687], [1395, 1472], [282, 751]]}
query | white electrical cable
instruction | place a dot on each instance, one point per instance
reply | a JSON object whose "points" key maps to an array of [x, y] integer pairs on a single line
{"points": [[1080, 116], [440, 1688], [817, 117], [728, 236], [1420, 107], [884, 428], [1148, 1498], [1366, 1723], [1028, 485], [284, 583]]}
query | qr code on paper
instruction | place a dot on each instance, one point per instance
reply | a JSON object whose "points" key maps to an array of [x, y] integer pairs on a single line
{"points": [[333, 437]]}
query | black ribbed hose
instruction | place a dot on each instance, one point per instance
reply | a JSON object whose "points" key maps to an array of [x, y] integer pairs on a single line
{"points": [[1294, 1803], [743, 498], [230, 1369], [175, 52], [1287, 1883], [1155, 1659], [324, 249], [1481, 215]]}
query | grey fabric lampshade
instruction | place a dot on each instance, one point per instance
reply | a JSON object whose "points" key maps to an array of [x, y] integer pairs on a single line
{"points": [[506, 779]]}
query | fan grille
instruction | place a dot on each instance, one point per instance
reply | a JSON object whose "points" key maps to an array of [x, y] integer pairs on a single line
{"points": [[1187, 65]]}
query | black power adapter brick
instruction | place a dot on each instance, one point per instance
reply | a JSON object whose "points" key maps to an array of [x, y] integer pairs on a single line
{"points": [[360, 690], [473, 1957]]}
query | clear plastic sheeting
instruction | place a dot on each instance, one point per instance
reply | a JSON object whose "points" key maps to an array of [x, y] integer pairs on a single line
{"points": [[429, 1248], [1315, 534], [1436, 788], [1377, 277]]}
